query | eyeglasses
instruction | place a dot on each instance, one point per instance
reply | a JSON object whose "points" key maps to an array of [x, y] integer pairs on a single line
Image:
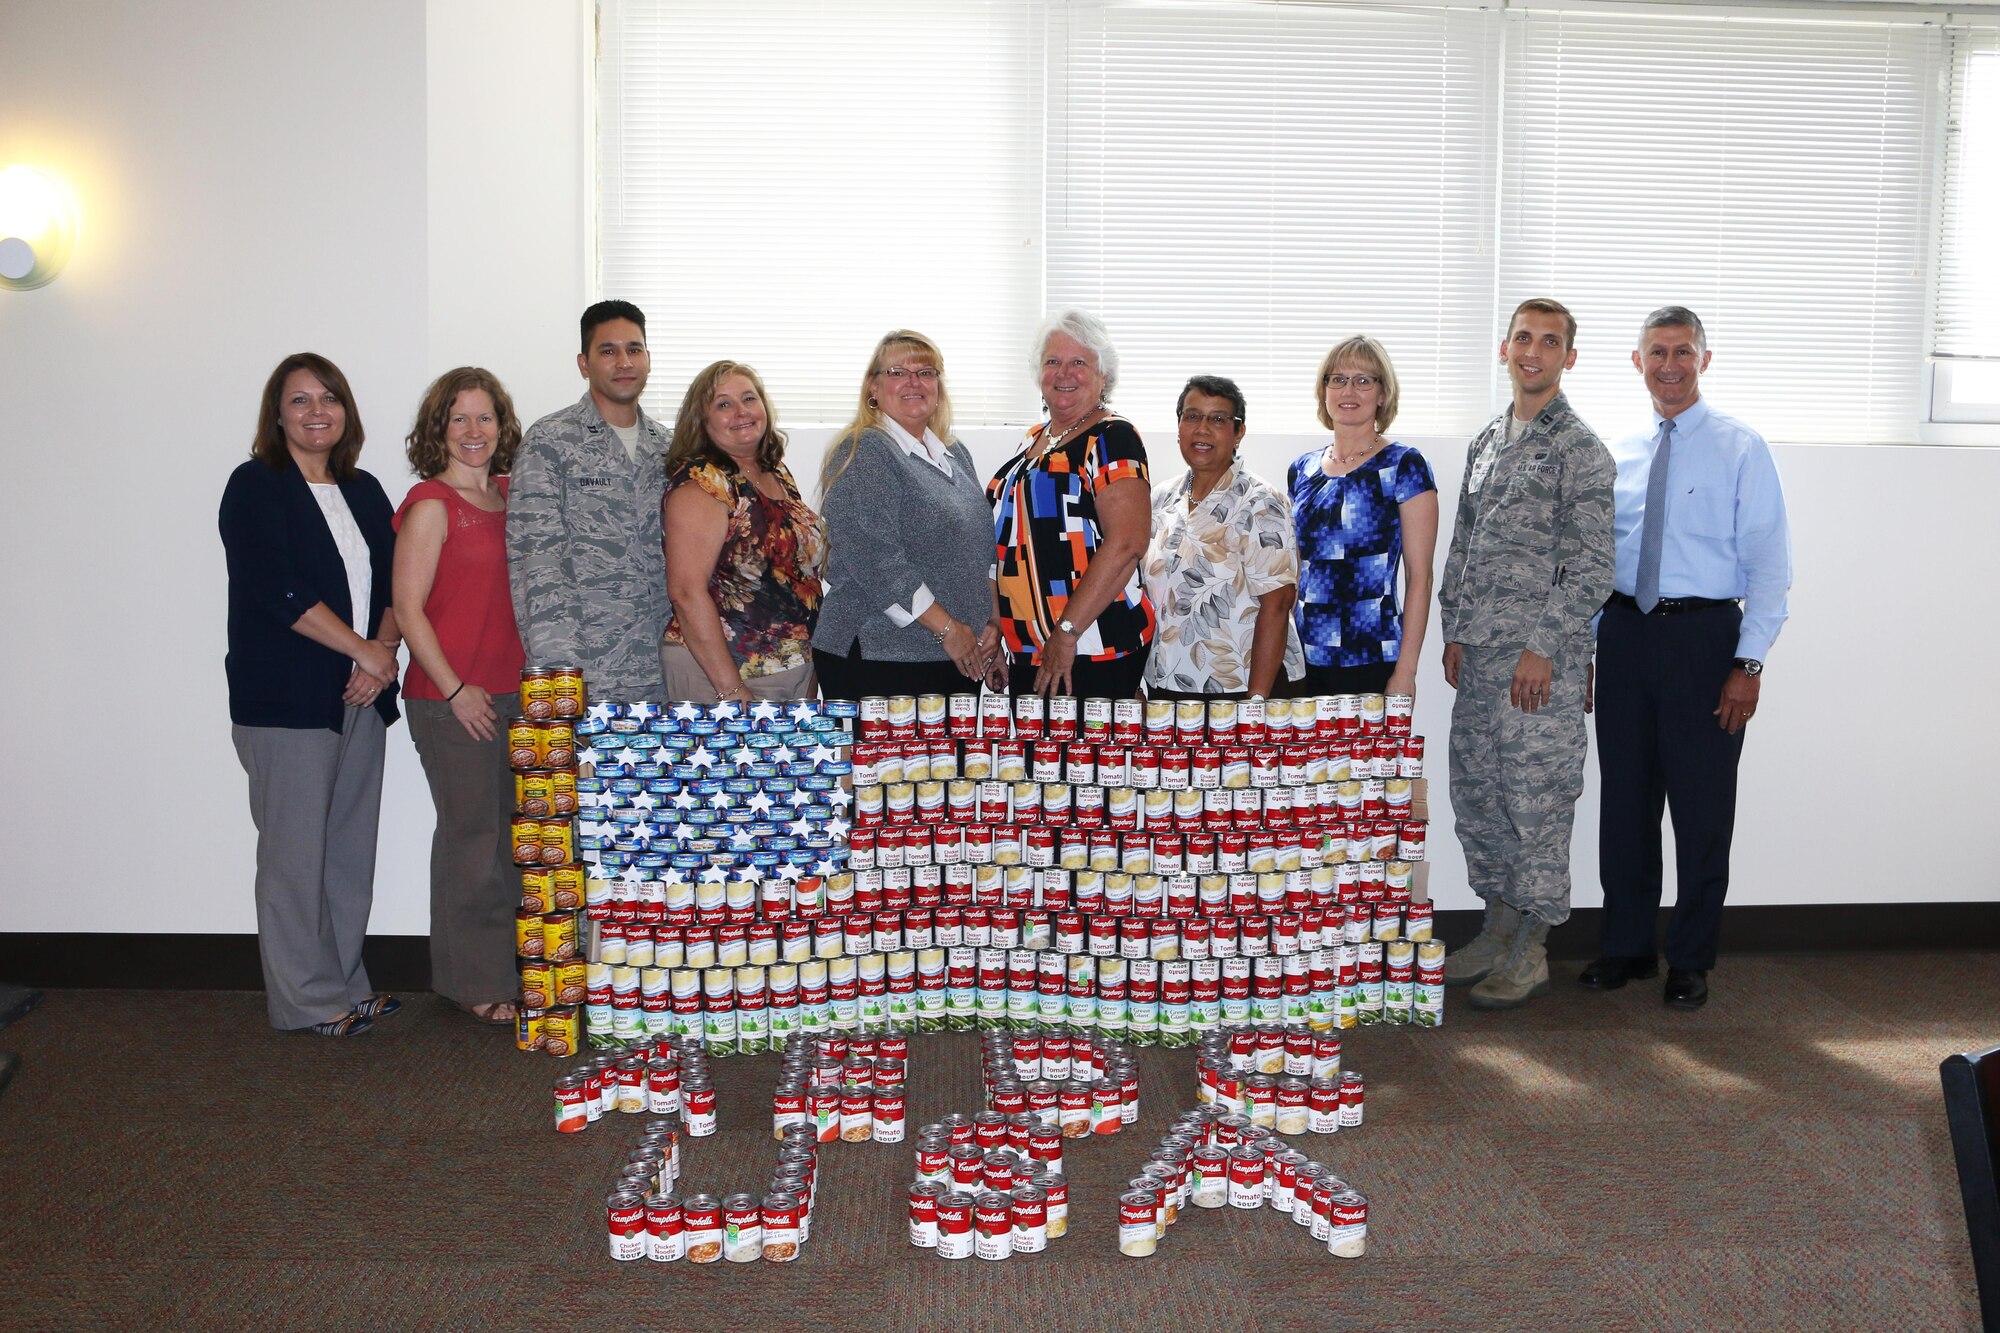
{"points": [[1362, 382], [921, 374], [1219, 420]]}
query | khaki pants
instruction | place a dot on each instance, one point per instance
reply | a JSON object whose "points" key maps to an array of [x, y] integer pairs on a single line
{"points": [[688, 683]]}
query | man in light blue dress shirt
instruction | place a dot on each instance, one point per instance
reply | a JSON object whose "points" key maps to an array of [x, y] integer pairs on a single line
{"points": [[1704, 565]]}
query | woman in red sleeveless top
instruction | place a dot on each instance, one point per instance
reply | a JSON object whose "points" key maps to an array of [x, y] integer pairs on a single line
{"points": [[463, 683]]}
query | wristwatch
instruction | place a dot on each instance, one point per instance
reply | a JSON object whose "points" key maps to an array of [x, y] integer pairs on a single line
{"points": [[1749, 666], [1066, 627]]}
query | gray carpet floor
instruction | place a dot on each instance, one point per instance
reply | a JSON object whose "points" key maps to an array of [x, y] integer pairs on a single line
{"points": [[1776, 1161]]}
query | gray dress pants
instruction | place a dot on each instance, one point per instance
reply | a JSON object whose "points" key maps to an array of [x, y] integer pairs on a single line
{"points": [[474, 885], [316, 797]]}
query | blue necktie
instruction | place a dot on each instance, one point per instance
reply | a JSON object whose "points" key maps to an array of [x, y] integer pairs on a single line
{"points": [[1653, 527]]}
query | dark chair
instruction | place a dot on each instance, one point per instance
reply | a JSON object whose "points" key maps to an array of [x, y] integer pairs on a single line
{"points": [[1972, 1107]]}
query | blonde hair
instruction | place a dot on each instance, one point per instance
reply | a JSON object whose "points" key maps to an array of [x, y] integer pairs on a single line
{"points": [[868, 415], [1373, 359], [690, 443]]}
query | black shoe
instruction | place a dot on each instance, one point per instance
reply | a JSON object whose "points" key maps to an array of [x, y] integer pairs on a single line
{"points": [[1611, 972], [1686, 989]]}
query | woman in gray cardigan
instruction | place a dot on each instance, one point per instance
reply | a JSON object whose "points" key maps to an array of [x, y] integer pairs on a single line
{"points": [[909, 604]]}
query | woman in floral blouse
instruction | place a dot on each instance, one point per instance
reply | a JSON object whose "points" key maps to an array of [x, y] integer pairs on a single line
{"points": [[1221, 570], [744, 550]]}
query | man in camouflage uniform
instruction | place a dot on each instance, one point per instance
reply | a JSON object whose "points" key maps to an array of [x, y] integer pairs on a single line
{"points": [[1530, 565], [583, 520]]}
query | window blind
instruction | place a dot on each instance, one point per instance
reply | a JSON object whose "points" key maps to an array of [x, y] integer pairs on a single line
{"points": [[1968, 289], [784, 182], [1772, 175], [1234, 187]]}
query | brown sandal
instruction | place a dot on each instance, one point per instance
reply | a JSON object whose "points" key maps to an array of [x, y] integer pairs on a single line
{"points": [[496, 1012]]}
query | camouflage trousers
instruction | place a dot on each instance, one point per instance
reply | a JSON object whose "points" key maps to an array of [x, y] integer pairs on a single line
{"points": [[1515, 778]]}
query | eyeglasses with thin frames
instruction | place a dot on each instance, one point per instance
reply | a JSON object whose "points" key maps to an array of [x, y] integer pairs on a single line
{"points": [[1219, 420], [921, 374], [1362, 382]]}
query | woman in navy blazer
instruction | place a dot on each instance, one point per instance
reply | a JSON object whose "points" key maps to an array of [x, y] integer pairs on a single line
{"points": [[312, 689]]}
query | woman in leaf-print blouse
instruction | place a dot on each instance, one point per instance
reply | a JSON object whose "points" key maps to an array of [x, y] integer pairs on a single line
{"points": [[1071, 515], [744, 550], [1222, 570]]}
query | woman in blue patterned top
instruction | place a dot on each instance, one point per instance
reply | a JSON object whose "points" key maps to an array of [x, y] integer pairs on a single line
{"points": [[1362, 506]]}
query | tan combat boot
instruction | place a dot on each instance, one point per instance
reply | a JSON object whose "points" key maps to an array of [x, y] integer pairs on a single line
{"points": [[1472, 961], [1522, 972]]}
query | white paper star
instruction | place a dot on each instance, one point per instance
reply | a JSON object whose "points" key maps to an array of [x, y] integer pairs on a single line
{"points": [[687, 712], [601, 712], [823, 868], [823, 754], [803, 712], [715, 875], [764, 711], [701, 757], [683, 834], [840, 798], [800, 799], [645, 800], [643, 711], [684, 800], [674, 876], [742, 841], [627, 757], [799, 828], [790, 872], [743, 757], [760, 803], [725, 711], [631, 875], [750, 875], [837, 827], [720, 801], [781, 754]]}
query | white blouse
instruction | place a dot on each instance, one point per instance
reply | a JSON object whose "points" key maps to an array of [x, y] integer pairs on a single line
{"points": [[353, 550]]}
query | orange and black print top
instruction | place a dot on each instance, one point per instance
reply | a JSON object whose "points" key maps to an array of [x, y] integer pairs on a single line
{"points": [[1045, 532]]}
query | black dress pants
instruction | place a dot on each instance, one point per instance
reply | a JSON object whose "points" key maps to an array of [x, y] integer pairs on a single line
{"points": [[853, 676], [1660, 746], [1119, 678]]}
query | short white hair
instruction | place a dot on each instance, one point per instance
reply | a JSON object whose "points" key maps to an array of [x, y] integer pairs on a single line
{"points": [[1087, 329]]}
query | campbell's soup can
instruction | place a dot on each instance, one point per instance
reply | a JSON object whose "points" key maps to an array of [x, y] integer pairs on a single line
{"points": [[625, 1217], [1348, 1219], [572, 1115], [1138, 1223], [666, 1228], [1062, 717], [697, 1107], [1055, 1192], [1246, 1177], [778, 1216], [924, 1197], [955, 1237], [993, 1225], [702, 1221], [1029, 1218], [1351, 1093], [1396, 713]]}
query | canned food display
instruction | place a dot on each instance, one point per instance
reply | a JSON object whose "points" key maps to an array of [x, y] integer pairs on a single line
{"points": [[1211, 1159]]}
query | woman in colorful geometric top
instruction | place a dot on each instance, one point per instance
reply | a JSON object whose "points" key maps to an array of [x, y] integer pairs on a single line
{"points": [[744, 550], [1362, 506], [1071, 515]]}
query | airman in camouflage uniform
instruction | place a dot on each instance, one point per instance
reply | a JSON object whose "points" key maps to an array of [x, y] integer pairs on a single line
{"points": [[583, 521], [1530, 565]]}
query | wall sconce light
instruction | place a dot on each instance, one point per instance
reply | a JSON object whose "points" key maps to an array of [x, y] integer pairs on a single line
{"points": [[37, 228]]}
